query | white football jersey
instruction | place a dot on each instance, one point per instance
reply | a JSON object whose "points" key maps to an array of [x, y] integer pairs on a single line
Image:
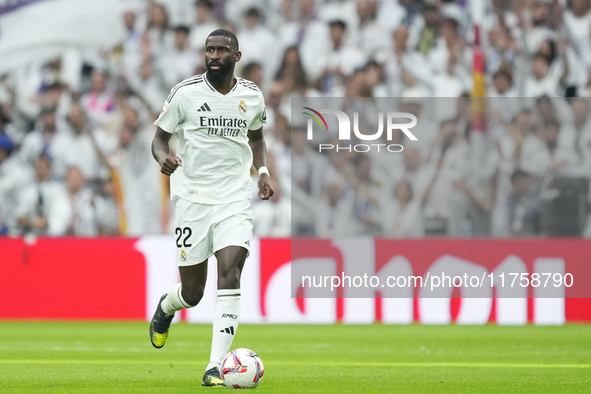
{"points": [[212, 131]]}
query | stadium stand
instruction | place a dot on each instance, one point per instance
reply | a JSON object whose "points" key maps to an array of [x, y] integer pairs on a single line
{"points": [[75, 132]]}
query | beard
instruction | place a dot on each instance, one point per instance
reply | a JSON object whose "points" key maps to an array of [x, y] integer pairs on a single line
{"points": [[219, 75]]}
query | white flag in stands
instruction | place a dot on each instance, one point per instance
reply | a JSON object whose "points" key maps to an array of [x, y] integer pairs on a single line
{"points": [[39, 30]]}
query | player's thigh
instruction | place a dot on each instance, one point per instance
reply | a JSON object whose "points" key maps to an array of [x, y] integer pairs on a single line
{"points": [[193, 232], [231, 241], [233, 227]]}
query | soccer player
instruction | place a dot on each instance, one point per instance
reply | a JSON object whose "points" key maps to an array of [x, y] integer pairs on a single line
{"points": [[218, 119]]}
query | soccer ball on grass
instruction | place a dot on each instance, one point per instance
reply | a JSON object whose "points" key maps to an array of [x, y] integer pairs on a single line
{"points": [[242, 369]]}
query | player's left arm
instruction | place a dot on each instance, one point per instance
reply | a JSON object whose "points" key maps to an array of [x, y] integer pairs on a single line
{"points": [[259, 159]]}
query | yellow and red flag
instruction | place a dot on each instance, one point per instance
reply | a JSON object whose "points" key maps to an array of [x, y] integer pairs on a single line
{"points": [[479, 85]]}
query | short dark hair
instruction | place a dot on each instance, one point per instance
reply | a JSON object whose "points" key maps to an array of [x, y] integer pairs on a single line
{"points": [[372, 63], [46, 158], [55, 86], [225, 33], [204, 3], [250, 67], [338, 23], [253, 12], [504, 72], [182, 29], [430, 7]]}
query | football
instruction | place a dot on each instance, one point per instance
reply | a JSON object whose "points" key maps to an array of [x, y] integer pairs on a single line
{"points": [[242, 369]]}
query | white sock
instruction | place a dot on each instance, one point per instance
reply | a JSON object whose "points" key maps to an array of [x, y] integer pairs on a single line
{"points": [[225, 323], [174, 301]]}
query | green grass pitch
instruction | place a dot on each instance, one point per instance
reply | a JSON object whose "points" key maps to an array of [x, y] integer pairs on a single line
{"points": [[118, 358]]}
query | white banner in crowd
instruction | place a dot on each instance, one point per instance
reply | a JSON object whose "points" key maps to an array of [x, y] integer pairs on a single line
{"points": [[39, 30]]}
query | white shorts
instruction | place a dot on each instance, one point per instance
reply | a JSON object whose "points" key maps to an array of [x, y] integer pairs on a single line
{"points": [[201, 229]]}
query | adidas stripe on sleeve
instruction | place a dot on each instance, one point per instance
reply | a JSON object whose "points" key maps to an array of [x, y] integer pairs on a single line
{"points": [[261, 117], [172, 115]]}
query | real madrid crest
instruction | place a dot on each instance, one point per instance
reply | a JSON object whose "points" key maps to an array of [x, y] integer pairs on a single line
{"points": [[183, 256], [242, 107]]}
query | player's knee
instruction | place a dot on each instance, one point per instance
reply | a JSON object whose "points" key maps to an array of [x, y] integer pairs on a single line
{"points": [[192, 294]]}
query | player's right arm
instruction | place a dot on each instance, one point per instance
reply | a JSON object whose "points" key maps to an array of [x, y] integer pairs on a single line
{"points": [[161, 152], [170, 117]]}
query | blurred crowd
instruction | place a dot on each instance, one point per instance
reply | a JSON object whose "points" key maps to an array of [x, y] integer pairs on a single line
{"points": [[75, 131], [520, 169]]}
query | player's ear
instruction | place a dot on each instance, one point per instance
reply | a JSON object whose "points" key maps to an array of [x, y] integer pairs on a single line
{"points": [[238, 56]]}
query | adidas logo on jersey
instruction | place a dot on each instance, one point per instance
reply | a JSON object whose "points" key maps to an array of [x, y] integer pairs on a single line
{"points": [[204, 108], [228, 330]]}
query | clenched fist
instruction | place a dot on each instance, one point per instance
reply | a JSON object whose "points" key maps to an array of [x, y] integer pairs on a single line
{"points": [[169, 165]]}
